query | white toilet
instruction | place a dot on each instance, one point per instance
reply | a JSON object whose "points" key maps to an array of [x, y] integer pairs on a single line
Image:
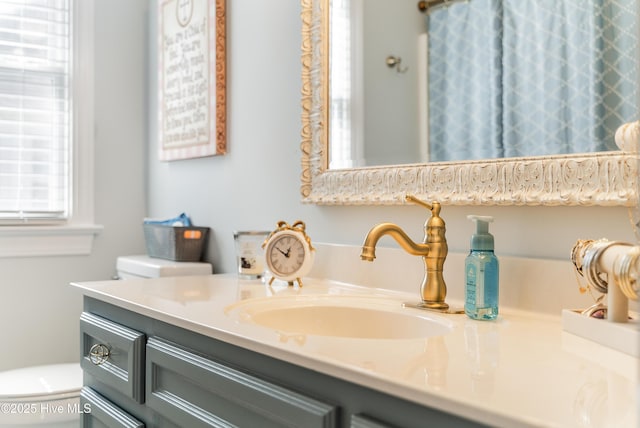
{"points": [[143, 266], [41, 396]]}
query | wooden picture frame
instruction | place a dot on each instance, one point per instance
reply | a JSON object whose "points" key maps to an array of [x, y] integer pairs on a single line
{"points": [[191, 79]]}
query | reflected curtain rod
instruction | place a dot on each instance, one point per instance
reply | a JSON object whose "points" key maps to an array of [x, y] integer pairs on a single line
{"points": [[426, 5]]}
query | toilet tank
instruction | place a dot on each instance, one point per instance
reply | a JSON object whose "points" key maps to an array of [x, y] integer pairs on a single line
{"points": [[143, 266]]}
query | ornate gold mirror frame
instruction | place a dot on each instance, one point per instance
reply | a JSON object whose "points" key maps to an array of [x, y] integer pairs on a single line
{"points": [[606, 178]]}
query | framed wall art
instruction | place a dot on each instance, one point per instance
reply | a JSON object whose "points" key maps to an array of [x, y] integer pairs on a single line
{"points": [[191, 78]]}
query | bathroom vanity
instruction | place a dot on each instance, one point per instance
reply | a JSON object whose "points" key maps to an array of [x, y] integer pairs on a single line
{"points": [[198, 351]]}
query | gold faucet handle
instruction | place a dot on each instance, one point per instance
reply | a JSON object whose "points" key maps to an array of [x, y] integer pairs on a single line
{"points": [[434, 207], [411, 198]]}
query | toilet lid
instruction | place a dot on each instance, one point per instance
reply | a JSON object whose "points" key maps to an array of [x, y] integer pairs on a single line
{"points": [[38, 381]]}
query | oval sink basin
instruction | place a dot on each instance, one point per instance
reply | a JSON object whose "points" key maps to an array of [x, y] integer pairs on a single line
{"points": [[340, 316]]}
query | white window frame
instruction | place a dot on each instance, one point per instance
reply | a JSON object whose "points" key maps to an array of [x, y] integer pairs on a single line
{"points": [[75, 236], [348, 124]]}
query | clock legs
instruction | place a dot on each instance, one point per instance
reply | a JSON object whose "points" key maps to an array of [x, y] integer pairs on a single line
{"points": [[291, 283]]}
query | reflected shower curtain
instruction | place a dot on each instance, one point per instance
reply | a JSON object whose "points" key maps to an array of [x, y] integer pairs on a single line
{"points": [[465, 75], [531, 77]]}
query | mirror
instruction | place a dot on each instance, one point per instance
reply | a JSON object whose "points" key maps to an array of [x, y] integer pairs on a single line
{"points": [[602, 178], [481, 79]]}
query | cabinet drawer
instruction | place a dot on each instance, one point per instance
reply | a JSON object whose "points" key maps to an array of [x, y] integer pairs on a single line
{"points": [[113, 354], [194, 391], [103, 413]]}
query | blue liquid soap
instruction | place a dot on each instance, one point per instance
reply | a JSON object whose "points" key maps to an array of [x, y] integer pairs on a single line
{"points": [[482, 274]]}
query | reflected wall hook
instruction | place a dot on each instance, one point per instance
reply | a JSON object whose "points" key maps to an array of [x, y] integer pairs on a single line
{"points": [[395, 62]]}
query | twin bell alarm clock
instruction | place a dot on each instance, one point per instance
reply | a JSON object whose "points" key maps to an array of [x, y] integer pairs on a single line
{"points": [[288, 252]]}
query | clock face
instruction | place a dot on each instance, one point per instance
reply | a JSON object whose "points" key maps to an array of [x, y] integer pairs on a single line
{"points": [[286, 255]]}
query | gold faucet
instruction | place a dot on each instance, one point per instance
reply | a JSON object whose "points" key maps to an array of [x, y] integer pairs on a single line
{"points": [[433, 250]]}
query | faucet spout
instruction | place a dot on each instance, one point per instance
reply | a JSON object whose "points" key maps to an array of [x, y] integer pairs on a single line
{"points": [[433, 251], [378, 231]]}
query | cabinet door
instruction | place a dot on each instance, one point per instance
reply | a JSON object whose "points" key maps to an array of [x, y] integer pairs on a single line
{"points": [[113, 354], [194, 391], [99, 412], [363, 421]]}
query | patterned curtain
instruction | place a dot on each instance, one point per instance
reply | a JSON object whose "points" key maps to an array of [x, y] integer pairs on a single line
{"points": [[514, 78]]}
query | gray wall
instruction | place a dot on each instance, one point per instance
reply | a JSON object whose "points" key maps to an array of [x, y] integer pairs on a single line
{"points": [[253, 186], [391, 101], [38, 310], [257, 182]]}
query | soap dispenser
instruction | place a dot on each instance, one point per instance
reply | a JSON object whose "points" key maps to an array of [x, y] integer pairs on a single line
{"points": [[481, 270]]}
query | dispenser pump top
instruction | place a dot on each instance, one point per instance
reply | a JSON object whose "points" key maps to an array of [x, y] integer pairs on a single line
{"points": [[482, 240]]}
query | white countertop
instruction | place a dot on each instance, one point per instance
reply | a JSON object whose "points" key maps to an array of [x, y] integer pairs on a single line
{"points": [[521, 370]]}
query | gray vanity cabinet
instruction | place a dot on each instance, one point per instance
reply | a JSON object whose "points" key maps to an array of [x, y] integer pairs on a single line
{"points": [[104, 413], [190, 380], [195, 391], [363, 421], [114, 354]]}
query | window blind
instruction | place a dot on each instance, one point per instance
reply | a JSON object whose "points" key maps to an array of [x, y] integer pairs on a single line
{"points": [[35, 109]]}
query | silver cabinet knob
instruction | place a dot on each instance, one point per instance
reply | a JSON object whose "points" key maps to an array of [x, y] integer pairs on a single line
{"points": [[99, 353]]}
